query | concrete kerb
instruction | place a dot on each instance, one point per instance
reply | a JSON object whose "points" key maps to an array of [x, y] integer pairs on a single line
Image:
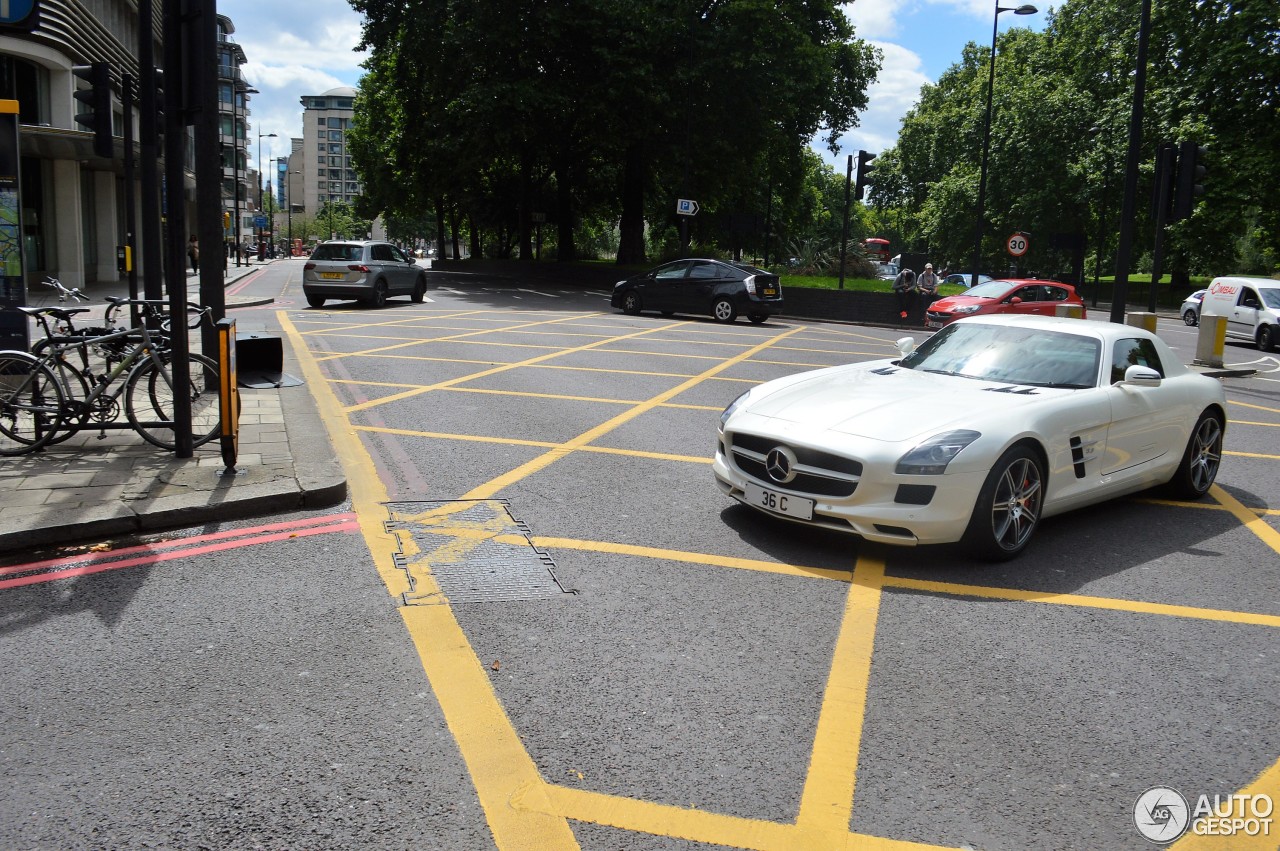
{"points": [[157, 491]]}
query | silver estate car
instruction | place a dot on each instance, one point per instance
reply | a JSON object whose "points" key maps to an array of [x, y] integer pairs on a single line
{"points": [[365, 270]]}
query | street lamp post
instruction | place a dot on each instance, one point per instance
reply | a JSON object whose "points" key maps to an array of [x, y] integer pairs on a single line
{"points": [[260, 138], [1026, 9], [236, 140], [289, 192]]}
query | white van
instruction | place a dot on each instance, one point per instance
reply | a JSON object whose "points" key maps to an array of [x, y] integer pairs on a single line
{"points": [[1251, 306]]}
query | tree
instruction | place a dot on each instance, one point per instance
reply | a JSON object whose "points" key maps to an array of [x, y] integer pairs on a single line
{"points": [[598, 108], [1060, 126]]}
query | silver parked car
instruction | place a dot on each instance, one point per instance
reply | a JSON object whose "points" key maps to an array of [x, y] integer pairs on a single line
{"points": [[365, 270], [1190, 309]]}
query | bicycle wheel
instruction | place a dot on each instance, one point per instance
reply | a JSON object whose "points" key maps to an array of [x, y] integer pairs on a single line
{"points": [[32, 405], [75, 410], [149, 395]]}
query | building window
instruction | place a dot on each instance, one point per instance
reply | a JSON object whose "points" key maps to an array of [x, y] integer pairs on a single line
{"points": [[335, 135], [353, 189], [320, 121], [28, 84]]}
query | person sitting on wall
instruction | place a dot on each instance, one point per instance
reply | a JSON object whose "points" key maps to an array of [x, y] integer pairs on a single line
{"points": [[904, 287], [927, 285]]}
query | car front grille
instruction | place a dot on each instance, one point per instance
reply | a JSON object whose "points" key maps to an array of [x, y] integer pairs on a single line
{"points": [[818, 473]]}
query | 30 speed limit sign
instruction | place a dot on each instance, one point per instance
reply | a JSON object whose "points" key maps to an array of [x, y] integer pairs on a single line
{"points": [[1017, 245]]}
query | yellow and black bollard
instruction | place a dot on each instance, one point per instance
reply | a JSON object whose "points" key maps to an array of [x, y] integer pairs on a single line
{"points": [[228, 395]]}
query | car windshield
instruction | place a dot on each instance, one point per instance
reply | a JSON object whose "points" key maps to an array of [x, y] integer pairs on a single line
{"points": [[989, 289], [1010, 354], [1271, 297], [336, 252]]}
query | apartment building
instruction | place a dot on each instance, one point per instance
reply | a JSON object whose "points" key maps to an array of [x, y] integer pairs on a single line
{"points": [[72, 199]]}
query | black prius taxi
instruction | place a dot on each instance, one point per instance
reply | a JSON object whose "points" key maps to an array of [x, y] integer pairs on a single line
{"points": [[715, 288]]}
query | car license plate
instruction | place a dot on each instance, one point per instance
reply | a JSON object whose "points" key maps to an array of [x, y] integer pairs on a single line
{"points": [[769, 291], [332, 276], [933, 323], [780, 503]]}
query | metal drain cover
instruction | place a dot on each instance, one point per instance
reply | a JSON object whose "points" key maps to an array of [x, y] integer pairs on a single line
{"points": [[475, 550]]}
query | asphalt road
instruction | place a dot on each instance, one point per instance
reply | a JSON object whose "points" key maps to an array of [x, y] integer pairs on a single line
{"points": [[670, 670]]}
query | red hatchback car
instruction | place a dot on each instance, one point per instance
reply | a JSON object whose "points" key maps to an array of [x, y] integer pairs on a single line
{"points": [[1013, 296]]}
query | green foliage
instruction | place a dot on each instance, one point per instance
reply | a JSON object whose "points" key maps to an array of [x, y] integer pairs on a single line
{"points": [[602, 111], [1059, 136]]}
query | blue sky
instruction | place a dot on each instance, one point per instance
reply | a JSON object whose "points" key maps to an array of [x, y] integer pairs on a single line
{"points": [[306, 47]]}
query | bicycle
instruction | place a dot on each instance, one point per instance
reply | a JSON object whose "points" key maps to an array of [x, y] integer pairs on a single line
{"points": [[45, 398]]}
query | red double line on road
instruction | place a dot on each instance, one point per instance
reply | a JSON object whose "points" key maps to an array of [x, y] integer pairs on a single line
{"points": [[249, 278], [143, 554]]}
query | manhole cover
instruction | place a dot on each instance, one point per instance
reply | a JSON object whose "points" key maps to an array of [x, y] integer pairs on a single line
{"points": [[475, 550]]}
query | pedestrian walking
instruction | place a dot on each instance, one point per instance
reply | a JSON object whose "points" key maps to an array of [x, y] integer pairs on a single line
{"points": [[904, 287], [193, 253]]}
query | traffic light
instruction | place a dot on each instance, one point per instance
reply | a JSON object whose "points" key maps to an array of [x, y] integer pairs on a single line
{"points": [[98, 97], [1162, 188], [1190, 183], [864, 173]]}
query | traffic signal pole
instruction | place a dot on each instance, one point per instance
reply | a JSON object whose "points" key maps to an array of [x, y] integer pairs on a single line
{"points": [[202, 112], [175, 267]]}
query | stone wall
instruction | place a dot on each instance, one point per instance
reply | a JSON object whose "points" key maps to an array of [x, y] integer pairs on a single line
{"points": [[870, 308]]}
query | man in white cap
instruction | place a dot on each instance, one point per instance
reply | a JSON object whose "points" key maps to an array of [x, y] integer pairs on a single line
{"points": [[927, 285]]}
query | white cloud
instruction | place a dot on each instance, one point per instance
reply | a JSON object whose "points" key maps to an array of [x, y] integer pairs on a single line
{"points": [[896, 90], [876, 19]]}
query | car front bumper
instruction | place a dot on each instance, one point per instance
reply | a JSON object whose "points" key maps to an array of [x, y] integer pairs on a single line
{"points": [[874, 511]]}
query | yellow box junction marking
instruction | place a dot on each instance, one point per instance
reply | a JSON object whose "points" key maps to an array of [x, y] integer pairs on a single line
{"points": [[522, 809]]}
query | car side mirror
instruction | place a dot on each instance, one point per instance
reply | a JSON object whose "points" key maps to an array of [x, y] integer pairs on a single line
{"points": [[906, 345], [1141, 376], [1015, 300]]}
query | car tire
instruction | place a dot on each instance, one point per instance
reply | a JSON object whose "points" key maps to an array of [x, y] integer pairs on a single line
{"points": [[631, 303], [723, 311], [315, 300], [758, 318], [1201, 460], [1008, 507], [379, 297], [1191, 318], [419, 290], [1267, 339]]}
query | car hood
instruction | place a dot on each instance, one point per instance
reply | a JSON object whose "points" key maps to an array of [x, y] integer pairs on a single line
{"points": [[883, 402], [951, 302]]}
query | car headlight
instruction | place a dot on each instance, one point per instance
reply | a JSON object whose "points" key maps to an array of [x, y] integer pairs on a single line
{"points": [[932, 457], [733, 406], [968, 308]]}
